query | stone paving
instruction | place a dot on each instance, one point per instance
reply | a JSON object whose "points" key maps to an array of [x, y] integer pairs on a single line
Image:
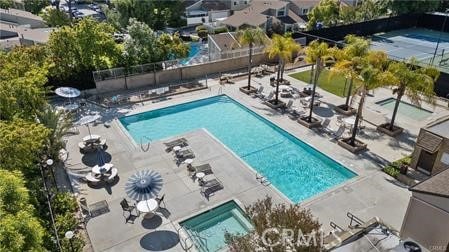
{"points": [[371, 193]]}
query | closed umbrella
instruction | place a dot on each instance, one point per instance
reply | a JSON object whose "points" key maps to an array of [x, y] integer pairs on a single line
{"points": [[144, 185]]}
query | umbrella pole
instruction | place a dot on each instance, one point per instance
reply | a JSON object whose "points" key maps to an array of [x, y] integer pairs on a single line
{"points": [[88, 128]]}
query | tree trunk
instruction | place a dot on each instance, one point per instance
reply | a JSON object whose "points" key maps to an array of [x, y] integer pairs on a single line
{"points": [[348, 96], [249, 64], [395, 110], [315, 81], [312, 71], [69, 3], [277, 82], [357, 119], [282, 72]]}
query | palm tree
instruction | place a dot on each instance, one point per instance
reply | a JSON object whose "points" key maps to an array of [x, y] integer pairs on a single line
{"points": [[251, 37], [373, 74], [282, 47], [59, 123], [317, 53], [356, 48], [415, 83]]}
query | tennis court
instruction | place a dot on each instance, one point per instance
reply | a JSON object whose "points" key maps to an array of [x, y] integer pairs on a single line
{"points": [[415, 42]]}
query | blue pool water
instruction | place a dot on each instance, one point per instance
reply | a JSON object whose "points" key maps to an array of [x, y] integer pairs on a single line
{"points": [[296, 169], [193, 50], [208, 229]]}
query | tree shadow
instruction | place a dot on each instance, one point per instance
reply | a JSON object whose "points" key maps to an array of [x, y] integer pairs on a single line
{"points": [[159, 240], [152, 223], [323, 111]]}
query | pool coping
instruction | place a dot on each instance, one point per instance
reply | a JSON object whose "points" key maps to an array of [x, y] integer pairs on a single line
{"points": [[303, 202]]}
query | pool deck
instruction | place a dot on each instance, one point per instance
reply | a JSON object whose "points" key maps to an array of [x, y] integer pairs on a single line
{"points": [[371, 193]]}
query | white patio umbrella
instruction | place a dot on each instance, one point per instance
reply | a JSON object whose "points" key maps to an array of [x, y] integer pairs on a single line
{"points": [[68, 92], [85, 120], [144, 185]]}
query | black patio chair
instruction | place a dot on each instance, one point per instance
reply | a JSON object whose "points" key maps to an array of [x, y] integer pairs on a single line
{"points": [[160, 200], [127, 208]]}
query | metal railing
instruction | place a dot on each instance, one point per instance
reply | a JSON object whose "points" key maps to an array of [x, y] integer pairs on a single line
{"points": [[355, 219], [202, 242]]}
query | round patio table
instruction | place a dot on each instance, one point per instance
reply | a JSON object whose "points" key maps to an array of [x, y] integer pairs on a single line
{"points": [[148, 207], [91, 138], [102, 169]]}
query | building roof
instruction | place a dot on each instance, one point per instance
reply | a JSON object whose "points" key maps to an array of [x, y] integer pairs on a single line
{"points": [[437, 185], [214, 5], [225, 41], [255, 14], [440, 127], [19, 13], [40, 35], [305, 3]]}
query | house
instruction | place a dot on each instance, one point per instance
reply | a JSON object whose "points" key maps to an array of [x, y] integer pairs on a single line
{"points": [[21, 28], [207, 11], [226, 45], [266, 15], [431, 153], [427, 217], [19, 17], [11, 36], [303, 7]]}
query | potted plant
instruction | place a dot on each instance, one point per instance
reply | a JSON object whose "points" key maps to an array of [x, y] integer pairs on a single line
{"points": [[251, 37], [282, 47]]}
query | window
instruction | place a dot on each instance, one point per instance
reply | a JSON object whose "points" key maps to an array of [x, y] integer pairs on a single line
{"points": [[305, 11], [246, 2], [235, 3], [281, 13]]}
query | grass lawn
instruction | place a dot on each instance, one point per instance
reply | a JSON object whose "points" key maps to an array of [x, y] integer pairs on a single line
{"points": [[335, 85]]}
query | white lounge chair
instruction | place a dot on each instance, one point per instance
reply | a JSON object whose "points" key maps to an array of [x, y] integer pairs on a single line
{"points": [[114, 174], [91, 179], [337, 134], [258, 92], [268, 97]]}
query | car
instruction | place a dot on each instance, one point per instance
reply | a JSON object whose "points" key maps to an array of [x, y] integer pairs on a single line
{"points": [[92, 6]]}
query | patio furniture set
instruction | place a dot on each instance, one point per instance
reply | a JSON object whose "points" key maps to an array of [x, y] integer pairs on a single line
{"points": [[148, 207], [105, 173], [185, 155], [91, 143]]}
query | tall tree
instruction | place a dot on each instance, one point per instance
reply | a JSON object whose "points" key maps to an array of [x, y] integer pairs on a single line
{"points": [[283, 48], [20, 230], [414, 82], [373, 74], [403, 7], [267, 216], [22, 79], [317, 53], [54, 17], [172, 46], [251, 38], [350, 58], [21, 143], [86, 46], [35, 6], [326, 13]]}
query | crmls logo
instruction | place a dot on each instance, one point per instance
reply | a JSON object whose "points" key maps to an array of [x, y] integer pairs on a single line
{"points": [[286, 237]]}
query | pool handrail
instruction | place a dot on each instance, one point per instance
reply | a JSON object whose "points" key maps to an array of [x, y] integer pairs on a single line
{"points": [[189, 237]]}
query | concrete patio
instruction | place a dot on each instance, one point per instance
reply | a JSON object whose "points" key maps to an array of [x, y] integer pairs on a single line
{"points": [[371, 193]]}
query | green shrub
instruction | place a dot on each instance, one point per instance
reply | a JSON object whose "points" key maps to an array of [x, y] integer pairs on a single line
{"points": [[65, 222], [394, 168], [391, 170], [64, 203], [220, 30]]}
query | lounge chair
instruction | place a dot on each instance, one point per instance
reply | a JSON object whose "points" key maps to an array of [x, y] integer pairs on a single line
{"points": [[325, 123], [178, 142], [114, 174], [287, 106], [184, 154], [210, 187], [258, 92], [91, 179], [337, 134], [268, 97], [205, 168]]}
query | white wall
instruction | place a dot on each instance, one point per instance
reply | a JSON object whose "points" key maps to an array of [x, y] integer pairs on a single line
{"points": [[196, 20]]}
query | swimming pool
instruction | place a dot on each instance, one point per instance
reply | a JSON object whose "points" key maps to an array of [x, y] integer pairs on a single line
{"points": [[409, 110], [293, 167], [208, 229], [194, 48]]}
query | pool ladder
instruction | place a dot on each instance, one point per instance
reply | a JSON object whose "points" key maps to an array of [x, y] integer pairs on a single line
{"points": [[147, 147], [201, 244]]}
